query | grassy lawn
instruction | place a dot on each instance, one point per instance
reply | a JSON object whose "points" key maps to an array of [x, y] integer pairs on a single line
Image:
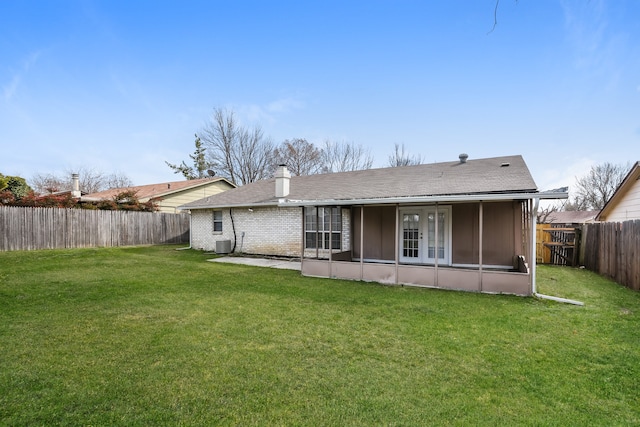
{"points": [[154, 336]]}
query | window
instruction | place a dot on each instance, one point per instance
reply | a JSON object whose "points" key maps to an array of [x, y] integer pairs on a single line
{"points": [[410, 235], [322, 227], [217, 221]]}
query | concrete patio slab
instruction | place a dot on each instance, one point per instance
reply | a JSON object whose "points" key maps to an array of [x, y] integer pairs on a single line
{"points": [[260, 262]]}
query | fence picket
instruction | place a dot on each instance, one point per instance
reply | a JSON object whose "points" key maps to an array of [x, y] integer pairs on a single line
{"points": [[24, 228], [613, 249]]}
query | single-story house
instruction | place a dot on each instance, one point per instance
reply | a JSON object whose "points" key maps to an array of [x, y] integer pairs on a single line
{"points": [[467, 224], [169, 195], [624, 204]]}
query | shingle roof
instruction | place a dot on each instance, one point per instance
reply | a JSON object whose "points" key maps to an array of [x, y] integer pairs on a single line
{"points": [[154, 190], [493, 175], [571, 217]]}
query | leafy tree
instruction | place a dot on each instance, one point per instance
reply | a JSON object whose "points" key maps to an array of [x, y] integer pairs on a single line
{"points": [[126, 201], [241, 154], [47, 201], [345, 157], [300, 156], [4, 180], [593, 190], [401, 158], [200, 163], [15, 185]]}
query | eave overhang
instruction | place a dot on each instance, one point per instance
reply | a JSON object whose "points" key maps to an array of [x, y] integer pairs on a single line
{"points": [[449, 198], [410, 200]]}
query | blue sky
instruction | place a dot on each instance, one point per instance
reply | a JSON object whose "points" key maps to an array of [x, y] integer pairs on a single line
{"points": [[122, 86]]}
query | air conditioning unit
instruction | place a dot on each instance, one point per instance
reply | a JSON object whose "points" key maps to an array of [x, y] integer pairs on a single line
{"points": [[223, 246]]}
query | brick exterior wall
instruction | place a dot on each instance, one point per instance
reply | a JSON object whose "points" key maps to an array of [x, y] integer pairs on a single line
{"points": [[267, 231]]}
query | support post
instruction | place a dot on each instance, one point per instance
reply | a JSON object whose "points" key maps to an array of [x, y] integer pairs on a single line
{"points": [[436, 243], [397, 244], [362, 242], [480, 242]]}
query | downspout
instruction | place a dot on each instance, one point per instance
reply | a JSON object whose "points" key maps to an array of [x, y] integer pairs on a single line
{"points": [[233, 226], [190, 224], [534, 260]]}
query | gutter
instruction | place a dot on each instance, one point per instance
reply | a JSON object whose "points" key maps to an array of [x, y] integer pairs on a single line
{"points": [[428, 199], [238, 205], [392, 200]]}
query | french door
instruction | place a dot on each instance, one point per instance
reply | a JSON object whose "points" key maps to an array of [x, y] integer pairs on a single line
{"points": [[425, 234]]}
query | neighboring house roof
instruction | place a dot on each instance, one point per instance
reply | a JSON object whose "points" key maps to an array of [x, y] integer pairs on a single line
{"points": [[155, 191], [571, 217], [478, 176], [62, 193], [624, 204]]}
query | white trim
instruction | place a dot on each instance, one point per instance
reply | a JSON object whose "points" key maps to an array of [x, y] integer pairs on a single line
{"points": [[423, 212], [484, 266], [393, 200], [430, 199], [375, 261], [558, 299], [534, 254]]}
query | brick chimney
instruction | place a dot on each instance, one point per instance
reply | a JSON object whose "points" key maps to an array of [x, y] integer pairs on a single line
{"points": [[75, 188], [282, 181]]}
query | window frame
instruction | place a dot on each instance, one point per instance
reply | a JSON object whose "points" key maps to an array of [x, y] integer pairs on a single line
{"points": [[217, 221], [317, 226]]}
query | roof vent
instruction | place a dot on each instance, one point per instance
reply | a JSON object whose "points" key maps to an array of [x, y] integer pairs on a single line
{"points": [[463, 157], [505, 164]]}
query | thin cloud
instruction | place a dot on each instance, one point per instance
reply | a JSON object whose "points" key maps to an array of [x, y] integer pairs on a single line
{"points": [[268, 113], [598, 47], [9, 90], [566, 176], [284, 105]]}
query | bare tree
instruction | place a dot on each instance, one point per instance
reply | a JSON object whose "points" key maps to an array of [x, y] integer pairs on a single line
{"points": [[495, 16], [117, 180], [46, 183], [240, 154], [545, 213], [402, 158], [344, 157], [91, 181], [300, 156], [596, 188]]}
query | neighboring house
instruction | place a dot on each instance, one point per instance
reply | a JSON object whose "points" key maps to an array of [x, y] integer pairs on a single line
{"points": [[624, 205], [456, 225], [169, 195], [569, 218]]}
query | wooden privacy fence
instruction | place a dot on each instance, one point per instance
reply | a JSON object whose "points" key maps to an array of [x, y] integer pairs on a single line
{"points": [[56, 228], [613, 249], [557, 245]]}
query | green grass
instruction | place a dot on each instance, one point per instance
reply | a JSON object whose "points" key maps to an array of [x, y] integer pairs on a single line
{"points": [[154, 336]]}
